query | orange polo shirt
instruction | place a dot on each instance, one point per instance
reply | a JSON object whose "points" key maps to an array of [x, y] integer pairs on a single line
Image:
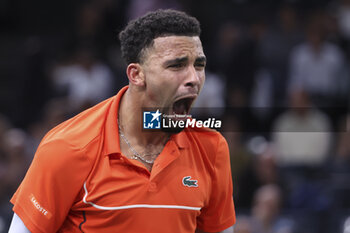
{"points": [[79, 181]]}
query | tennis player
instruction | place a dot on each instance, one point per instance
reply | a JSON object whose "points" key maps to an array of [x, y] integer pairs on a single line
{"points": [[101, 171]]}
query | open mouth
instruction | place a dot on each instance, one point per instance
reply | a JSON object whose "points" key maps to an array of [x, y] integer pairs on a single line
{"points": [[182, 106]]}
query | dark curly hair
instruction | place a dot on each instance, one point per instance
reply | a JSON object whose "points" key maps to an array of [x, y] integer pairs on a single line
{"points": [[140, 33]]}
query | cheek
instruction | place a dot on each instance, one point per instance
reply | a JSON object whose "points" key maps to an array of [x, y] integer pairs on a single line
{"points": [[170, 82], [160, 93], [201, 76]]}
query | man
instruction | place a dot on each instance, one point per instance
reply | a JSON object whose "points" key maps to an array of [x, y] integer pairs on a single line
{"points": [[102, 172]]}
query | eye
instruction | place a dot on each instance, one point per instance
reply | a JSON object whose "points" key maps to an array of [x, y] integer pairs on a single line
{"points": [[200, 65], [176, 65]]}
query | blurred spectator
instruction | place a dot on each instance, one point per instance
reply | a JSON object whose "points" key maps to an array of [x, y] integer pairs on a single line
{"points": [[243, 224], [302, 134], [96, 22], [17, 158], [89, 20], [318, 66], [302, 137], [344, 18], [266, 216], [274, 49], [338, 25], [55, 112], [4, 125], [341, 159], [346, 227], [266, 211], [13, 164], [240, 157], [261, 171], [85, 80], [340, 168], [234, 56], [227, 42], [262, 95], [271, 76]]}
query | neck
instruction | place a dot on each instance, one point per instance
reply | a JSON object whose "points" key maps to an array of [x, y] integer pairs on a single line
{"points": [[130, 120]]}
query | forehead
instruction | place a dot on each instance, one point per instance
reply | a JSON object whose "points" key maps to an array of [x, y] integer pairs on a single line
{"points": [[175, 46]]}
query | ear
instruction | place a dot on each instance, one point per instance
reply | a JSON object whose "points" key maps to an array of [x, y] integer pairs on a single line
{"points": [[135, 74]]}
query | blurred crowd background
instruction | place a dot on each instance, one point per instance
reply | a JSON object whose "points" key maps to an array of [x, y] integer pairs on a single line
{"points": [[277, 75]]}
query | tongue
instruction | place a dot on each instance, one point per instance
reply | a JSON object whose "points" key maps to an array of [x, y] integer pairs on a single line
{"points": [[179, 107]]}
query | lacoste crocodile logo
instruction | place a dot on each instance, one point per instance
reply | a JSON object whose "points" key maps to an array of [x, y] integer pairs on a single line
{"points": [[188, 182]]}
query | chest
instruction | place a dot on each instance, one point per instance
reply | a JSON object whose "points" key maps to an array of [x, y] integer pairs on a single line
{"points": [[119, 190]]}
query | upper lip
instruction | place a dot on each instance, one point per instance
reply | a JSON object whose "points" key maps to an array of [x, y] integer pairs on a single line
{"points": [[191, 96]]}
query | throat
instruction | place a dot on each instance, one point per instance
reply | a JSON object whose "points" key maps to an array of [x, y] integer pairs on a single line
{"points": [[133, 149]]}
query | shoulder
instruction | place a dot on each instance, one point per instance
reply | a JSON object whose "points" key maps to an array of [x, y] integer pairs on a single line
{"points": [[204, 135], [209, 141]]}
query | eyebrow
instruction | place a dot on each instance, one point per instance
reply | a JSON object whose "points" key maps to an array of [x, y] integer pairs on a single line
{"points": [[175, 61], [183, 60], [201, 59]]}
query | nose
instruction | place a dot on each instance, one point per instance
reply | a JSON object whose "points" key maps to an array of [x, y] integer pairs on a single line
{"points": [[193, 78]]}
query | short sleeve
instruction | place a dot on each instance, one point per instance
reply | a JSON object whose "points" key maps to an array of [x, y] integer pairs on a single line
{"points": [[50, 186], [219, 214]]}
